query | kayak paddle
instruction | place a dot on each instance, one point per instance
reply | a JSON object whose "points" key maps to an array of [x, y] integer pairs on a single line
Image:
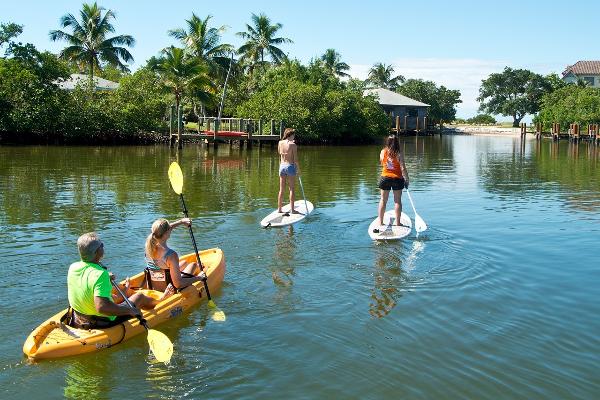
{"points": [[176, 179], [420, 225], [303, 196], [159, 343]]}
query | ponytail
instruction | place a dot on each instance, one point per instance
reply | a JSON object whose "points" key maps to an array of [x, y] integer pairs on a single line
{"points": [[159, 228]]}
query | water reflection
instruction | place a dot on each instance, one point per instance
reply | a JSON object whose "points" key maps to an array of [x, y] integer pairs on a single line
{"points": [[88, 378], [392, 270], [285, 253]]}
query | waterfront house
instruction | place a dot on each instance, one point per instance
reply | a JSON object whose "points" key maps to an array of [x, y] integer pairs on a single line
{"points": [[588, 71], [397, 105], [78, 79]]}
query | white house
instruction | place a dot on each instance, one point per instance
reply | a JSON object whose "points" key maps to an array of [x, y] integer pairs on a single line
{"points": [[76, 79], [588, 71]]}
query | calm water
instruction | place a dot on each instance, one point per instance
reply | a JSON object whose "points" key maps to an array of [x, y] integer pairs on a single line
{"points": [[498, 299]]}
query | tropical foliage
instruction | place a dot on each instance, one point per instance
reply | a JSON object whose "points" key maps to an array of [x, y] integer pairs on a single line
{"points": [[332, 63], [513, 92], [381, 75], [89, 47], [442, 101], [481, 119], [260, 42], [320, 98], [570, 104]]}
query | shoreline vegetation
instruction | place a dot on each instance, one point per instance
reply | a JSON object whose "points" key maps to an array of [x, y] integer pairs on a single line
{"points": [[319, 98]]}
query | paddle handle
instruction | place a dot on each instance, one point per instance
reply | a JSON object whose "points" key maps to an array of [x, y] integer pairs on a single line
{"points": [[142, 320], [303, 196], [411, 201], [185, 212]]}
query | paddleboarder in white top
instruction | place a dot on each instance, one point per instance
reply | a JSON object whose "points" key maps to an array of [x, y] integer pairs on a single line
{"points": [[288, 167]]}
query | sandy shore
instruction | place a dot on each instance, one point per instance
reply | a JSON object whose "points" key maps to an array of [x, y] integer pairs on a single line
{"points": [[482, 130]]}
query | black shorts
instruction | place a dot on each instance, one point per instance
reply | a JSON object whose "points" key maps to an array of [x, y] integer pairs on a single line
{"points": [[387, 183]]}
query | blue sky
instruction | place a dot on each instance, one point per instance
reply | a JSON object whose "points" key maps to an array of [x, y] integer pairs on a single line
{"points": [[454, 43]]}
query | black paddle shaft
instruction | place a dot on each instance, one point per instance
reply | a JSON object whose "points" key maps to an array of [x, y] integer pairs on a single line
{"points": [[185, 212]]}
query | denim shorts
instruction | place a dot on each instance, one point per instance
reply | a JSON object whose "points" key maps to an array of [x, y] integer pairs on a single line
{"points": [[286, 169]]}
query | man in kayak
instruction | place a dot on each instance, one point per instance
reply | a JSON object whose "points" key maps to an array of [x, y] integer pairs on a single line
{"points": [[90, 291]]}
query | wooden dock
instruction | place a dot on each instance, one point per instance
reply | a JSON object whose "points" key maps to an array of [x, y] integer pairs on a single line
{"points": [[573, 133], [229, 130]]}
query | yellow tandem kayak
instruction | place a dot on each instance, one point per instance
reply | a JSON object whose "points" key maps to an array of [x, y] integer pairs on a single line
{"points": [[53, 339]]}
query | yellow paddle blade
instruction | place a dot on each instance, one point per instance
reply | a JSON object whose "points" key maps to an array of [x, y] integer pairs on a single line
{"points": [[176, 177], [215, 312], [160, 345]]}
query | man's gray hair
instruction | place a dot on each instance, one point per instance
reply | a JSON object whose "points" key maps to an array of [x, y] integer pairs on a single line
{"points": [[87, 244]]}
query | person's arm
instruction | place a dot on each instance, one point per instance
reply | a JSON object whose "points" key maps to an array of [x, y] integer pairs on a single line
{"points": [[381, 156], [105, 306], [182, 221], [179, 281], [295, 152], [404, 170]]}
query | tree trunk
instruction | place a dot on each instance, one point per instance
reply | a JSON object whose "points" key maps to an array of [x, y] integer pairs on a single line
{"points": [[516, 121]]}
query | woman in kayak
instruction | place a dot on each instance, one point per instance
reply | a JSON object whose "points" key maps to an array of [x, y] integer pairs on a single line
{"points": [[164, 271], [288, 167], [394, 176]]}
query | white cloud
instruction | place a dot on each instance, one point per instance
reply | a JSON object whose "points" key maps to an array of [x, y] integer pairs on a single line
{"points": [[464, 74]]}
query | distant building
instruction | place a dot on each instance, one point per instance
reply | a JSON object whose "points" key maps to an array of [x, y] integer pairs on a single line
{"points": [[588, 71], [78, 79], [397, 105]]}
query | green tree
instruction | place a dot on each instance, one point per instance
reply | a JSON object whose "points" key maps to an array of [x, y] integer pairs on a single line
{"points": [[570, 104], [89, 45], [482, 119], [442, 101], [260, 41], [381, 75], [513, 92], [8, 32], [204, 42], [182, 75], [332, 62]]}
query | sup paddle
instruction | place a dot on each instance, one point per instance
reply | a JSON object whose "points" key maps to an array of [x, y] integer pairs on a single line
{"points": [[176, 179], [159, 343], [303, 196], [420, 225]]}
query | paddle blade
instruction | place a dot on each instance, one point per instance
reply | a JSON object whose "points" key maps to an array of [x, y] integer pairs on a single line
{"points": [[215, 312], [420, 225], [176, 177], [160, 345]]}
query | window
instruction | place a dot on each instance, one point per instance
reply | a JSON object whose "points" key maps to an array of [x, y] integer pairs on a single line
{"points": [[412, 112], [589, 80]]}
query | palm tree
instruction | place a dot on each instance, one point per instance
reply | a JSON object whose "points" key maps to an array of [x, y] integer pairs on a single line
{"points": [[182, 75], [380, 75], [204, 42], [260, 39], [332, 61], [89, 45]]}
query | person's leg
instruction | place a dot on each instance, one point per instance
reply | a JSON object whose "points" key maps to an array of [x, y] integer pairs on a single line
{"points": [[398, 205], [382, 202], [280, 196], [190, 268], [291, 183], [142, 301]]}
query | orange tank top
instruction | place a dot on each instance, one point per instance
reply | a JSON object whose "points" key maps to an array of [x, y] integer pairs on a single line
{"points": [[391, 167]]}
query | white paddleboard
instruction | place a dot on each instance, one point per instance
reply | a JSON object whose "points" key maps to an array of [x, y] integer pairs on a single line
{"points": [[389, 230], [287, 218]]}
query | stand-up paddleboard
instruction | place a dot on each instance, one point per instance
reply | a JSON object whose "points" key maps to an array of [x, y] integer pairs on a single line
{"points": [[287, 218], [389, 230]]}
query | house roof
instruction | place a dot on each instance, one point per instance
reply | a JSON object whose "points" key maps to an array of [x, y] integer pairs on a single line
{"points": [[389, 98], [77, 79], [583, 68]]}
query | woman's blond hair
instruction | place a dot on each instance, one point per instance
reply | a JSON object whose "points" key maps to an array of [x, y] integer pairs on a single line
{"points": [[158, 230], [288, 132]]}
